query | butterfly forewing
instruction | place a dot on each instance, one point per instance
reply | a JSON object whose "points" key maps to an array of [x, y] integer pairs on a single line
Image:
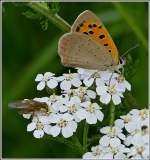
{"points": [[28, 106], [88, 23]]}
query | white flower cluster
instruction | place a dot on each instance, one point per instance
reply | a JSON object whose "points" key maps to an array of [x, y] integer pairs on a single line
{"points": [[76, 101], [127, 139]]}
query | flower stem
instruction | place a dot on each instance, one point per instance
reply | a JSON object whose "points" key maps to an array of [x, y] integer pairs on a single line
{"points": [[112, 113], [85, 136], [68, 143], [54, 18]]}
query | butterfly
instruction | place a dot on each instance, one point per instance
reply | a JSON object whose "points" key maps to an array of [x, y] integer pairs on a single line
{"points": [[88, 44], [29, 106]]}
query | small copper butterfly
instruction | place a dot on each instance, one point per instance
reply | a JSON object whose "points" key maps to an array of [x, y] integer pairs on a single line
{"points": [[88, 45]]}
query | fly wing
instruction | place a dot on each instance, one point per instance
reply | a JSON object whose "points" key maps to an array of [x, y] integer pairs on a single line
{"points": [[27, 105], [79, 50]]}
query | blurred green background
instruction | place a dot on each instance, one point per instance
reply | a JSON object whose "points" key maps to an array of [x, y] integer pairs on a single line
{"points": [[28, 50]]}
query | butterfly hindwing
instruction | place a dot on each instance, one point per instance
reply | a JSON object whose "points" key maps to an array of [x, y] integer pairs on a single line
{"points": [[79, 50]]}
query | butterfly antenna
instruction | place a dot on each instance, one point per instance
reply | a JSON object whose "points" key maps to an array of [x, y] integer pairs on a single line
{"points": [[130, 49]]}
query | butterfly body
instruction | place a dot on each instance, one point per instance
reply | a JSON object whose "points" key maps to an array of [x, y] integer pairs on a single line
{"points": [[88, 45]]}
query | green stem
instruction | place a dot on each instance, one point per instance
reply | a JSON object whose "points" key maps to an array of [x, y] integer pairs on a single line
{"points": [[68, 143], [130, 20], [112, 113], [54, 18], [85, 136], [93, 139]]}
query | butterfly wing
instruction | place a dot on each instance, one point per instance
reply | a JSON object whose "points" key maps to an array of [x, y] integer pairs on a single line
{"points": [[80, 50], [88, 23]]}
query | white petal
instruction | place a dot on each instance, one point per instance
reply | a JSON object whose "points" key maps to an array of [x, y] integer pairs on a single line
{"points": [[27, 116], [99, 82], [128, 85], [47, 129], [81, 113], [44, 119], [120, 155], [67, 132], [87, 156], [91, 118], [88, 81], [104, 141], [116, 99], [102, 90], [52, 83], [65, 85], [108, 156], [72, 125], [54, 131], [76, 82], [119, 123], [38, 133], [60, 78], [105, 130], [54, 118], [121, 136], [105, 98], [130, 127], [31, 126], [41, 86], [114, 142], [99, 115], [91, 94], [67, 117], [39, 77]]}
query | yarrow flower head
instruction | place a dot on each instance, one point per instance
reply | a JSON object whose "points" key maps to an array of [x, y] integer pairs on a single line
{"points": [[91, 112], [115, 145], [47, 79], [63, 123]]}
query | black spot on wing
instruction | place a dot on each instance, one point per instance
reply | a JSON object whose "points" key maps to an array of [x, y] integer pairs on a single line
{"points": [[101, 36]]}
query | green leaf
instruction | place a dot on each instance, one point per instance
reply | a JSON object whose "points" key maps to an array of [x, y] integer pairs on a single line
{"points": [[31, 15]]}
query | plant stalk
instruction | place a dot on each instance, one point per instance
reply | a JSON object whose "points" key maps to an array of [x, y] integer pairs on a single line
{"points": [[85, 136], [112, 114], [43, 9]]}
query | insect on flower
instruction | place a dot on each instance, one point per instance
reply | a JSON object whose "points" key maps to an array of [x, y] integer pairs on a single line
{"points": [[29, 106]]}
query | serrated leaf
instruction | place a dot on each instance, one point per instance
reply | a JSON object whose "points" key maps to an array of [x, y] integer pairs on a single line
{"points": [[31, 15], [54, 7]]}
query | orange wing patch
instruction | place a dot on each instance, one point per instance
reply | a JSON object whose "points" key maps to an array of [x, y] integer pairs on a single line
{"points": [[99, 33]]}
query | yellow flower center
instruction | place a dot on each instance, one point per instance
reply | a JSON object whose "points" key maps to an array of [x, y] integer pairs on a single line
{"points": [[120, 79], [112, 132], [111, 89], [97, 151], [145, 130], [62, 123], [140, 150], [69, 76], [127, 119], [90, 108], [39, 125], [72, 108], [143, 114]]}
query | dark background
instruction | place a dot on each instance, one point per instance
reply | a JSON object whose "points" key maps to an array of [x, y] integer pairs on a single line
{"points": [[28, 50]]}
